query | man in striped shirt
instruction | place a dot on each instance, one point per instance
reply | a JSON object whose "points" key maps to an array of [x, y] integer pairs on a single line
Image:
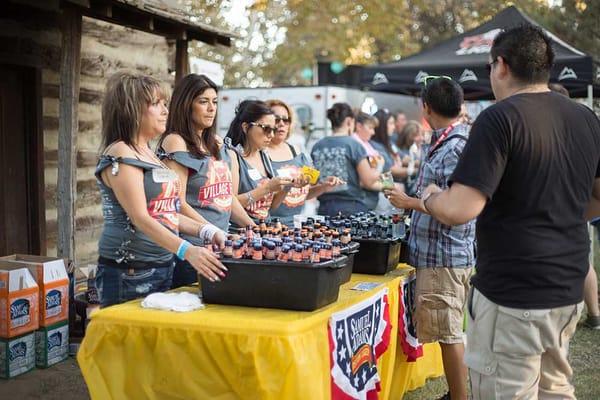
{"points": [[442, 254]]}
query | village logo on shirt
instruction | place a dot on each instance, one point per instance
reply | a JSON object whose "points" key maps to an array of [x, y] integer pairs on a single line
{"points": [[165, 207], [296, 196], [217, 190], [358, 337], [477, 44], [260, 208]]}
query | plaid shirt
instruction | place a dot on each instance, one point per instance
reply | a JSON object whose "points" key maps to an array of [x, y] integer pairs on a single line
{"points": [[431, 243]]}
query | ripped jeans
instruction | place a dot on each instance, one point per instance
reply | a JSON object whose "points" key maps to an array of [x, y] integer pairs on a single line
{"points": [[118, 285]]}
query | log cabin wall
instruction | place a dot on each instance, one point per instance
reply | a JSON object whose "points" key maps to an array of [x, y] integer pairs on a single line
{"points": [[106, 48]]}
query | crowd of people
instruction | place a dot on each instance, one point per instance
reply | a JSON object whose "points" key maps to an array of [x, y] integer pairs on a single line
{"points": [[506, 196]]}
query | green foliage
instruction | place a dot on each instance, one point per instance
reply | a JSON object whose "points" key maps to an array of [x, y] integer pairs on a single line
{"points": [[277, 39]]}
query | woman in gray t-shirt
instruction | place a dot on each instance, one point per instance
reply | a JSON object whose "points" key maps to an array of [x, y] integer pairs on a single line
{"points": [[140, 198], [250, 133], [191, 147], [344, 157]]}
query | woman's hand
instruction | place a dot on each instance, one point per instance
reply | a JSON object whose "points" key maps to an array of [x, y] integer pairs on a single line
{"points": [[332, 181], [205, 262], [278, 184], [219, 239]]}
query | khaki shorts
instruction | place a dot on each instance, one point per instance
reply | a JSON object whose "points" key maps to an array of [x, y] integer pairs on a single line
{"points": [[441, 295]]}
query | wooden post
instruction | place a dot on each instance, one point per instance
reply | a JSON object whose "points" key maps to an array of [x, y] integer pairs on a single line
{"points": [[182, 62], [68, 126]]}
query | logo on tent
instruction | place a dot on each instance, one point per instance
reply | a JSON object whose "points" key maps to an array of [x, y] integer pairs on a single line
{"points": [[420, 78], [567, 73], [478, 44], [467, 75], [380, 78]]}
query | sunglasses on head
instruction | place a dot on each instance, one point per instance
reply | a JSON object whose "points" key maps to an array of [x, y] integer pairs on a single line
{"points": [[429, 78], [267, 129], [281, 118]]}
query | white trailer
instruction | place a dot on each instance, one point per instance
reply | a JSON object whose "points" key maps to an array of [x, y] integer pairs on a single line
{"points": [[310, 104]]}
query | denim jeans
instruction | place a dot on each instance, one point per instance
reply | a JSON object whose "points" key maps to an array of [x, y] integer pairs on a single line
{"points": [[346, 207], [118, 285], [184, 274]]}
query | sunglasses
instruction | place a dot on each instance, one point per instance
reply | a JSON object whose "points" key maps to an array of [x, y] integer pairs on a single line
{"points": [[267, 129], [429, 78], [488, 66], [281, 118]]}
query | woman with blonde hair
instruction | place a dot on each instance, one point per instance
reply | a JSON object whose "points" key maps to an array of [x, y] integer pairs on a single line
{"points": [[288, 161], [140, 198], [410, 151]]}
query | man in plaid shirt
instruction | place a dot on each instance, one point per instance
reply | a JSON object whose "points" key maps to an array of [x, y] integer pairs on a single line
{"points": [[443, 255]]}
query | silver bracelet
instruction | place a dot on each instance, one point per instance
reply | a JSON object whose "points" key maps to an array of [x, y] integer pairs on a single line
{"points": [[251, 200]]}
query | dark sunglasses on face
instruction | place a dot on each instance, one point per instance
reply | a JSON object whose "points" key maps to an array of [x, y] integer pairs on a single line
{"points": [[268, 130], [281, 118]]}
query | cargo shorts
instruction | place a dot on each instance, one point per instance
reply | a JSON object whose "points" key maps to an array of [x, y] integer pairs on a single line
{"points": [[440, 296]]}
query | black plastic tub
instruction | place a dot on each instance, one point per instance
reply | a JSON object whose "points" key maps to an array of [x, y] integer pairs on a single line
{"points": [[376, 256], [404, 251], [350, 252], [273, 284]]}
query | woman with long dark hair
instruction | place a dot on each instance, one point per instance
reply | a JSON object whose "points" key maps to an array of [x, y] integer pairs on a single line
{"points": [[250, 133], [344, 157], [140, 198], [381, 142], [410, 151], [191, 147]]}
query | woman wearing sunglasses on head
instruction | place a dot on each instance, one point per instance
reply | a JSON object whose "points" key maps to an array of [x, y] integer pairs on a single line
{"points": [[140, 198], [288, 162], [344, 157], [250, 133], [191, 147]]}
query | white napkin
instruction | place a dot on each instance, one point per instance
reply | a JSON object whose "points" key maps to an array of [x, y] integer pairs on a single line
{"points": [[180, 302]]}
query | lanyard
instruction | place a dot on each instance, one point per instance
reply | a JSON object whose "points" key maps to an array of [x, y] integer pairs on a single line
{"points": [[443, 136]]}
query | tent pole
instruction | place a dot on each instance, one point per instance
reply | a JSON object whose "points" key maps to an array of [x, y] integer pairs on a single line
{"points": [[590, 96]]}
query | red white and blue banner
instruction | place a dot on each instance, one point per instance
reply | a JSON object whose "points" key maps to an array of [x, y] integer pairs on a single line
{"points": [[406, 327], [358, 337]]}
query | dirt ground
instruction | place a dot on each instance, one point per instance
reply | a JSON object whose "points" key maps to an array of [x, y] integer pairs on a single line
{"points": [[64, 381]]}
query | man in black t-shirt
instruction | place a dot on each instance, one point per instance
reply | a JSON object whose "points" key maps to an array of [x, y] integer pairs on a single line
{"points": [[528, 171]]}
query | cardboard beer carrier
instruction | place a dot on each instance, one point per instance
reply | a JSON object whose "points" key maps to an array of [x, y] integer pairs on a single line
{"points": [[19, 302], [53, 282]]}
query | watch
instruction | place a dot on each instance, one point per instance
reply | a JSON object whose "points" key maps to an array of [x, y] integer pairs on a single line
{"points": [[424, 200]]}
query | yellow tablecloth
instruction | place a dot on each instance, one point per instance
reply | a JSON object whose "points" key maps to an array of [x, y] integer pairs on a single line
{"points": [[228, 352]]}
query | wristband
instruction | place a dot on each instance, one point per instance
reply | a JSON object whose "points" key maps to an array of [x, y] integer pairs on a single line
{"points": [[208, 231], [183, 246]]}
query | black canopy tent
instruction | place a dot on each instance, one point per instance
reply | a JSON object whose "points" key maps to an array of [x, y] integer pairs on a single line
{"points": [[465, 56]]}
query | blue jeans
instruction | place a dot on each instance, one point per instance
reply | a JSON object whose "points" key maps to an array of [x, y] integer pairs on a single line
{"points": [[184, 274], [346, 207], [118, 285]]}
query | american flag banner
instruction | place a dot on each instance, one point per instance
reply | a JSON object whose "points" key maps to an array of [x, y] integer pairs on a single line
{"points": [[406, 327], [358, 337]]}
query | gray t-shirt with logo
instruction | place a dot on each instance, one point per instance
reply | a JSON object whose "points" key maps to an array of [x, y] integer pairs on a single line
{"points": [[120, 239], [209, 186]]}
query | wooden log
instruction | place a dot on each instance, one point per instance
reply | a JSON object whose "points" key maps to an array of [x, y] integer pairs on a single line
{"points": [[182, 63], [70, 65]]}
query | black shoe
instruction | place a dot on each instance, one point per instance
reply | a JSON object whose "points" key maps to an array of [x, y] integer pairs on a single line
{"points": [[592, 321], [445, 397]]}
